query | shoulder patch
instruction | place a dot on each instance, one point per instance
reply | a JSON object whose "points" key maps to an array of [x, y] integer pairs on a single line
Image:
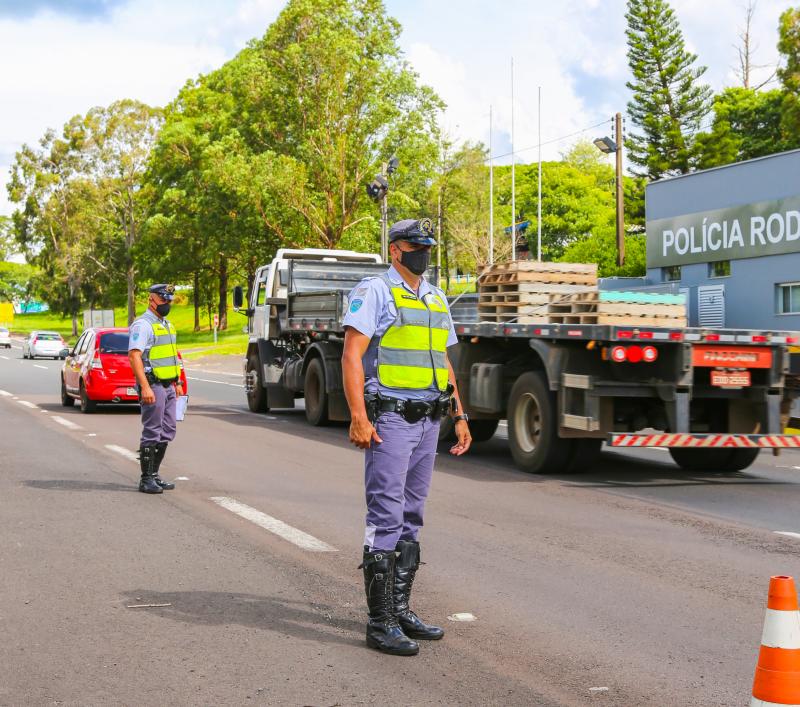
{"points": [[355, 305], [135, 334]]}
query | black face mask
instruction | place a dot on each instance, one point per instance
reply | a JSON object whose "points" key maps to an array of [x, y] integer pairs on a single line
{"points": [[163, 309], [416, 261]]}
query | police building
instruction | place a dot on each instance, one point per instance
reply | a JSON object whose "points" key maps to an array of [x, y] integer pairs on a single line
{"points": [[729, 239]]}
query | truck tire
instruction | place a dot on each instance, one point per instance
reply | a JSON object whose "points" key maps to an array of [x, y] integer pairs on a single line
{"points": [[315, 393], [257, 397], [724, 459], [533, 427], [481, 430]]}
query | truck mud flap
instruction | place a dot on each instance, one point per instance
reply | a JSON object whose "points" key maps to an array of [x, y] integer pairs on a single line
{"points": [[704, 441]]}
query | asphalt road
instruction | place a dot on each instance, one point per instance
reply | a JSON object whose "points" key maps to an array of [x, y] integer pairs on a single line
{"points": [[635, 584]]}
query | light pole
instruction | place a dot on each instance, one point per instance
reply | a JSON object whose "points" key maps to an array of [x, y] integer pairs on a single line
{"points": [[378, 190], [607, 146]]}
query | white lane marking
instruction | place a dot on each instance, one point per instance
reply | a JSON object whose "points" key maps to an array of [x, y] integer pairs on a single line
{"points": [[27, 404], [462, 616], [273, 525], [598, 689], [127, 453], [44, 368], [92, 434], [206, 380], [6, 358], [181, 478], [66, 423], [5, 393], [219, 373], [787, 533]]}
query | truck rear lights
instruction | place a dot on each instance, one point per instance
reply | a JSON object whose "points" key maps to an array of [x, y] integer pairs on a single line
{"points": [[624, 334], [676, 336], [635, 354], [650, 354], [645, 334], [758, 339], [712, 337], [619, 354]]}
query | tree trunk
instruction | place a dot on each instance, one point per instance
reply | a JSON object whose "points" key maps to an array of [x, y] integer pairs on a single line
{"points": [[196, 301], [251, 278], [223, 293], [74, 324], [131, 279]]}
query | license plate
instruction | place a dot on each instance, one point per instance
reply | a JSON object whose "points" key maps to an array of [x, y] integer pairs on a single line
{"points": [[132, 391], [725, 379]]}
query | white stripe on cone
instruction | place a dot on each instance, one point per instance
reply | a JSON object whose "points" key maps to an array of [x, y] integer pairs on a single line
{"points": [[781, 629], [754, 702]]}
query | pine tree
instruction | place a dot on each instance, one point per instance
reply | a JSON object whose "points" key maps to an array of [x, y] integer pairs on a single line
{"points": [[669, 102]]}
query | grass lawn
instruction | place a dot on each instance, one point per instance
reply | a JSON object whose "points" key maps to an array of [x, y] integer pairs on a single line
{"points": [[231, 341]]}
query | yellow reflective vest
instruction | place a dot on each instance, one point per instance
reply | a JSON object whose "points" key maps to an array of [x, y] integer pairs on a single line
{"points": [[163, 354], [412, 350]]}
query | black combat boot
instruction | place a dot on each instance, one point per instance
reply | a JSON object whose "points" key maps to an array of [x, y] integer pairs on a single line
{"points": [[161, 450], [405, 569], [147, 460], [383, 630]]}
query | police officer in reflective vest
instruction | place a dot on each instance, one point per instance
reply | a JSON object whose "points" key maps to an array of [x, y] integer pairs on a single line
{"points": [[154, 358], [399, 384]]}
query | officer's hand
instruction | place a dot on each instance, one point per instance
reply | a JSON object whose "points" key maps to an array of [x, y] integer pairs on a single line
{"points": [[464, 439], [178, 389], [147, 396], [362, 432]]}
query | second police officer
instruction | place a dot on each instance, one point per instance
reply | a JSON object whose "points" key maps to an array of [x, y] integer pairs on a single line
{"points": [[399, 384], [154, 359]]}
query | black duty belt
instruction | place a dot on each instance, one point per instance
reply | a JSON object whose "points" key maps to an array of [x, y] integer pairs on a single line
{"points": [[410, 410], [152, 380]]}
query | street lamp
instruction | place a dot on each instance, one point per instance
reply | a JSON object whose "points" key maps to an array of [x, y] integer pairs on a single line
{"points": [[608, 146], [377, 191]]}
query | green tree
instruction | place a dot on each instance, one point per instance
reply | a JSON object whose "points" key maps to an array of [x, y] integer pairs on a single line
{"points": [[8, 241], [16, 281], [789, 73], [669, 102], [601, 247]]}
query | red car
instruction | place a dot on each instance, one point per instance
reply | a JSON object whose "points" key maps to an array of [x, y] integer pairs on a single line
{"points": [[97, 370]]}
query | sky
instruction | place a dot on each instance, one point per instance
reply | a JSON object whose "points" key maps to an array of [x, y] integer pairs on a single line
{"points": [[63, 57]]}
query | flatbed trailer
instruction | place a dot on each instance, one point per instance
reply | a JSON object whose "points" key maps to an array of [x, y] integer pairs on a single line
{"points": [[713, 397]]}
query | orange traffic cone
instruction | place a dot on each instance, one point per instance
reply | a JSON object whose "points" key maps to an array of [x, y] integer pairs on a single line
{"points": [[777, 680]]}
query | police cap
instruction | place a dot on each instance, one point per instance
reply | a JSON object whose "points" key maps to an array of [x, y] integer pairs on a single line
{"points": [[413, 230], [163, 290]]}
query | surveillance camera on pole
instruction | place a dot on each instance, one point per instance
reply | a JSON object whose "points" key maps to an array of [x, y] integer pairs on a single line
{"points": [[377, 190]]}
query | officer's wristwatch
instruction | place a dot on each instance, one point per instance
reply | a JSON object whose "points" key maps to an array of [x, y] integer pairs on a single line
{"points": [[462, 416]]}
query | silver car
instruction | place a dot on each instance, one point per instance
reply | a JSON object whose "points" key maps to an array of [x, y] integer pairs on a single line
{"points": [[5, 337], [44, 343]]}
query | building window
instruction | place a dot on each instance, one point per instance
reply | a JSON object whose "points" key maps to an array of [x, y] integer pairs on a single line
{"points": [[672, 273], [788, 296], [721, 268]]}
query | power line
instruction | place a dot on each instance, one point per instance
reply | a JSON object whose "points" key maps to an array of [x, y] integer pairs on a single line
{"points": [[548, 142]]}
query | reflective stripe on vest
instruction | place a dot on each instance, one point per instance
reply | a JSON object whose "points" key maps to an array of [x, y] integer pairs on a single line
{"points": [[163, 354], [413, 347]]}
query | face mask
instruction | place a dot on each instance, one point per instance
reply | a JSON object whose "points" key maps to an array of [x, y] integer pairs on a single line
{"points": [[163, 309], [416, 261]]}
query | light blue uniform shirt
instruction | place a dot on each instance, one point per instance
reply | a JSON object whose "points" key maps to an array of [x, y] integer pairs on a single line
{"points": [[141, 335], [372, 311]]}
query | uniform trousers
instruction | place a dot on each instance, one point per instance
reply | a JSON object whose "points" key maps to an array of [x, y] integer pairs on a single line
{"points": [[397, 477], [158, 419]]}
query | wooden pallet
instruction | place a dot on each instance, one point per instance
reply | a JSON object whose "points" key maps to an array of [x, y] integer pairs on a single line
{"points": [[618, 308], [526, 271]]}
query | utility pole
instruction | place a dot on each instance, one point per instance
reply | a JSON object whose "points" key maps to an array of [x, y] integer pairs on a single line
{"points": [[491, 193], [539, 200], [513, 188], [384, 220], [618, 138], [439, 232]]}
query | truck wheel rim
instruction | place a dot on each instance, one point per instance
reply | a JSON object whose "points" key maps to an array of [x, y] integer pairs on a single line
{"points": [[528, 423]]}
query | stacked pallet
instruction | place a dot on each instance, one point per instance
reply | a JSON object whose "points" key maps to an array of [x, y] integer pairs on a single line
{"points": [[619, 308], [521, 291]]}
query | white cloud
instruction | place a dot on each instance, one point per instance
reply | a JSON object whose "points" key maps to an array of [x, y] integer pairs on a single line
{"points": [[56, 66]]}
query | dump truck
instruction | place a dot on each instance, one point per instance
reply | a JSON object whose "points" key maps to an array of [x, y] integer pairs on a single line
{"points": [[713, 397]]}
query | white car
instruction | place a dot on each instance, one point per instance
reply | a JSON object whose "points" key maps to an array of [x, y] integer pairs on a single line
{"points": [[44, 343], [5, 337]]}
